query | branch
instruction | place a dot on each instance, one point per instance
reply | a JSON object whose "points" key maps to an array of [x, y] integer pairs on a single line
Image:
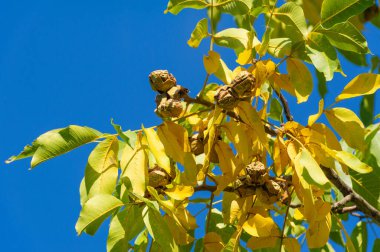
{"points": [[351, 196], [285, 104]]}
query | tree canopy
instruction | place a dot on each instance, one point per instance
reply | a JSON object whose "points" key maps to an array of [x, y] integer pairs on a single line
{"points": [[235, 149]]}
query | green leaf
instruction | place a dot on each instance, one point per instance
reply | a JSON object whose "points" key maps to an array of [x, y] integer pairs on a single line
{"points": [[124, 227], [359, 237], [176, 6], [102, 168], [322, 87], [141, 242], [275, 111], [376, 245], [235, 38], [234, 7], [128, 136], [355, 58], [367, 108], [334, 12], [346, 36], [223, 73], [158, 229], [265, 42], [95, 211], [199, 33], [280, 47], [217, 225], [323, 55], [292, 15], [56, 142]]}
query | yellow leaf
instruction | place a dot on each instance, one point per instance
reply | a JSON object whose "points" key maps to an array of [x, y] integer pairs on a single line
{"points": [[260, 73], [300, 78], [211, 62], [179, 234], [291, 244], [185, 218], [212, 242], [223, 73], [239, 134], [349, 245], [314, 118], [363, 84], [317, 235], [348, 126], [228, 164], [158, 150], [249, 116], [228, 198], [245, 57], [280, 156], [309, 206], [348, 159], [180, 192], [314, 173], [298, 215], [260, 226], [282, 81], [239, 208], [262, 242], [135, 167]]}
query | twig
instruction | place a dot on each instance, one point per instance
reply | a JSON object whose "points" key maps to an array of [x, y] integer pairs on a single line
{"points": [[285, 104], [360, 203], [284, 225], [337, 205]]}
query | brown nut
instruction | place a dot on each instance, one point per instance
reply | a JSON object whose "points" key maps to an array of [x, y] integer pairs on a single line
{"points": [[226, 98], [243, 83], [169, 108], [158, 177], [177, 92], [273, 188], [161, 80], [265, 197], [257, 173], [197, 144]]}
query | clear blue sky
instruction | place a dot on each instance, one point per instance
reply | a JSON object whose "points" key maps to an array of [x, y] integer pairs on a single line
{"points": [[84, 62]]}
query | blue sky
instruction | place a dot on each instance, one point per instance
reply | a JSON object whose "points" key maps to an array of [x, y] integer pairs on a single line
{"points": [[84, 62]]}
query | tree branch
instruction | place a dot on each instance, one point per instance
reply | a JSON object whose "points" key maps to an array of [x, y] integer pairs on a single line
{"points": [[360, 203], [285, 104]]}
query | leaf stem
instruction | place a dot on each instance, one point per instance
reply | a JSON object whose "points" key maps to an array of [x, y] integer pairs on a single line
{"points": [[284, 225]]}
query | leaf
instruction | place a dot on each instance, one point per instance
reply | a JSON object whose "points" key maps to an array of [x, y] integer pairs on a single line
{"points": [[176, 6], [141, 242], [312, 172], [348, 126], [124, 227], [265, 42], [280, 47], [322, 87], [235, 38], [56, 142], [102, 168], [363, 84], [128, 136], [322, 55], [359, 237], [318, 232], [236, 7], [276, 110], [211, 62], [179, 192], [212, 242], [239, 135], [180, 234], [314, 118], [348, 159], [260, 226], [223, 73], [249, 116], [159, 229], [291, 244], [95, 211], [346, 36], [134, 165], [158, 150], [262, 242], [376, 245], [367, 107], [199, 33], [301, 79], [334, 12], [292, 15]]}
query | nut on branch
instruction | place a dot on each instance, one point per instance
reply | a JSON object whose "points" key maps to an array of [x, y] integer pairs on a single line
{"points": [[167, 107], [226, 98], [257, 173], [158, 177], [162, 80], [243, 84]]}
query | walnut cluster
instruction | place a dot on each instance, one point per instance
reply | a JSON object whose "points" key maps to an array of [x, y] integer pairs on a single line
{"points": [[168, 100], [227, 97], [258, 182]]}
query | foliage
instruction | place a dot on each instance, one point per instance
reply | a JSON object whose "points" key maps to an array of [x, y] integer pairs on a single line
{"points": [[237, 140]]}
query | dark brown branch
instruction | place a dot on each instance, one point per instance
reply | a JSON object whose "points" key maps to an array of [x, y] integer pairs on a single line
{"points": [[360, 203], [285, 104]]}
